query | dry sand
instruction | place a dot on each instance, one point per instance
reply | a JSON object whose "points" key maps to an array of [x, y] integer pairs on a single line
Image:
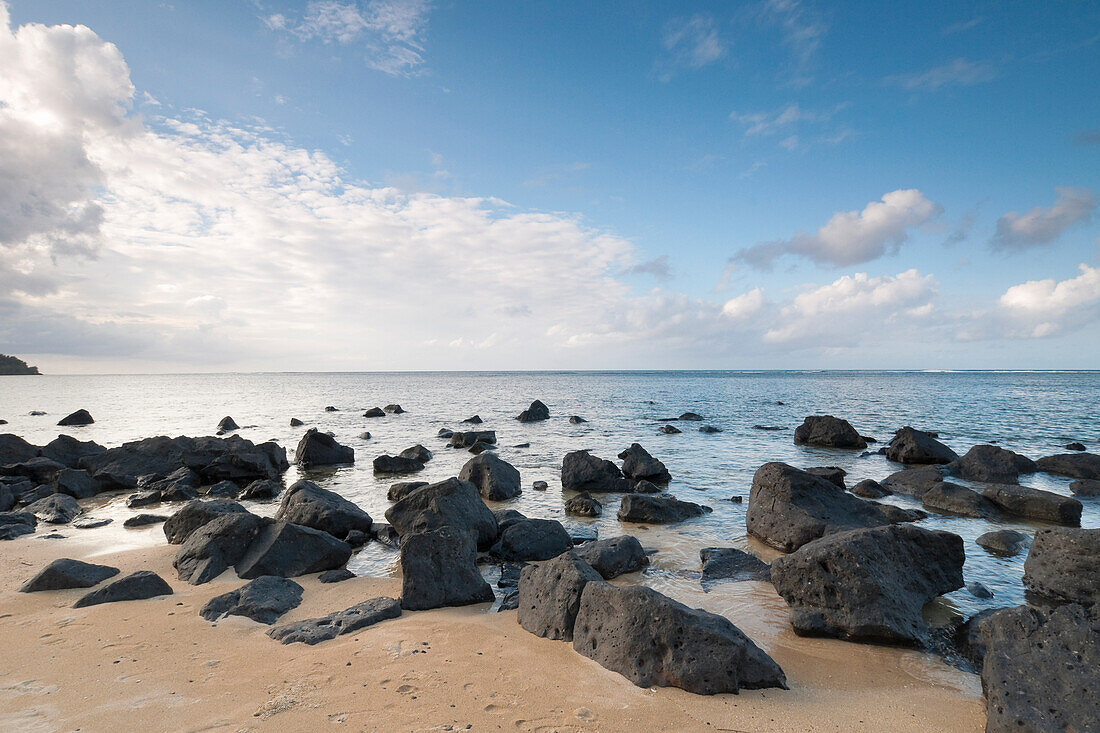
{"points": [[157, 665]]}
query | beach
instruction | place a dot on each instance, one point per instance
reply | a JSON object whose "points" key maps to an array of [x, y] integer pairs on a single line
{"points": [[156, 664]]}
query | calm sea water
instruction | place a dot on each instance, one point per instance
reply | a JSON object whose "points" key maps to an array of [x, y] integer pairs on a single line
{"points": [[1032, 413]]}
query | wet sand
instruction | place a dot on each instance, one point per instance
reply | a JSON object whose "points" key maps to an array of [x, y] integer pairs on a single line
{"points": [[157, 665]]}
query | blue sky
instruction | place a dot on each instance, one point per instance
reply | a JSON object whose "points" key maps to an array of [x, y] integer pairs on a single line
{"points": [[654, 149]]}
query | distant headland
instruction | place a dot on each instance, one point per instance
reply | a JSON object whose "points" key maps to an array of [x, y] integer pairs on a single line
{"points": [[13, 365]]}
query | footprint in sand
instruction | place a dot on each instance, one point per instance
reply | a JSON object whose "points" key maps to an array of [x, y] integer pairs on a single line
{"points": [[407, 689]]}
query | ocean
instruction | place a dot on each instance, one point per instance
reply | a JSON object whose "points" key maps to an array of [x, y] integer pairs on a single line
{"points": [[1034, 413]]}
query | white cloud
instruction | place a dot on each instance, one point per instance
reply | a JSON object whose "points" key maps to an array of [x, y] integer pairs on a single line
{"points": [[803, 32], [839, 314], [1039, 308], [851, 237], [1042, 225], [745, 305], [690, 43], [959, 72], [391, 31]]}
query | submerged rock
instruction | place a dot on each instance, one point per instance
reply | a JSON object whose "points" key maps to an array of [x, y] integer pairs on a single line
{"points": [[869, 584], [949, 498], [669, 430], [1041, 669], [1004, 542], [66, 573], [1074, 465], [1085, 487], [227, 424], [375, 412], [583, 505], [472, 437], [729, 563], [264, 599], [828, 432], [576, 419], [652, 640], [658, 509], [914, 481], [691, 417], [137, 586], [397, 464], [788, 508]]}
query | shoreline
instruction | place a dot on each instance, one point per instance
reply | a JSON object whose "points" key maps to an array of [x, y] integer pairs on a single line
{"points": [[146, 663]]}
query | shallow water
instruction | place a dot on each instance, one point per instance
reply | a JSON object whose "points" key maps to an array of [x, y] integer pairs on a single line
{"points": [[1032, 413]]}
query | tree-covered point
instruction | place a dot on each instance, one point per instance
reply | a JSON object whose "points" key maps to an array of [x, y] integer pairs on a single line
{"points": [[15, 365]]}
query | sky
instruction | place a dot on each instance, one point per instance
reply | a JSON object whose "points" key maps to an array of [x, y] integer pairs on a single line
{"points": [[330, 185]]}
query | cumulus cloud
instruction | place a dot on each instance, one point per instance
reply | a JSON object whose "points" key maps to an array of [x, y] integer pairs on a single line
{"points": [[851, 237], [391, 31], [1039, 308], [959, 72], [744, 306], [658, 267], [1042, 225], [689, 43], [836, 314]]}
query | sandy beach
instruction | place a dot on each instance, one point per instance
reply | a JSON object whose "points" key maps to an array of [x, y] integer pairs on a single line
{"points": [[156, 664]]}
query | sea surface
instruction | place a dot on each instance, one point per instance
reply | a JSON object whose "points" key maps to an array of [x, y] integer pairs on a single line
{"points": [[1034, 413]]}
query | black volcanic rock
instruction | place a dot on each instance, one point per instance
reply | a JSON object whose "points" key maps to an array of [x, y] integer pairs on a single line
{"points": [[1062, 565], [913, 446], [828, 432], [729, 563], [451, 503], [289, 550], [582, 471], [615, 556], [550, 594], [532, 539], [66, 573], [55, 509], [78, 418], [439, 568], [137, 586], [869, 584], [1004, 542], [658, 509], [535, 413], [216, 546], [227, 424], [320, 449], [307, 504], [653, 640], [583, 505], [1022, 501], [360, 616], [495, 478], [993, 464], [639, 465], [789, 507], [195, 514], [264, 599], [1074, 465], [68, 451]]}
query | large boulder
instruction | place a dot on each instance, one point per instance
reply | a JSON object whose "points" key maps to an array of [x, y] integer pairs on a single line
{"points": [[80, 417], [789, 507], [913, 481], [315, 630], [264, 599], [869, 584], [1074, 465], [653, 640], [640, 466], [68, 450], [536, 412], [582, 471], [1062, 565], [615, 556], [550, 594], [195, 514], [532, 539], [76, 482], [1042, 669], [948, 498], [14, 449], [913, 446], [215, 459], [134, 587], [828, 432], [321, 449], [495, 478], [730, 563], [451, 503], [288, 550], [309, 505], [16, 524], [216, 546], [55, 509], [992, 464], [65, 573], [397, 464], [658, 509], [1022, 501], [439, 568]]}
